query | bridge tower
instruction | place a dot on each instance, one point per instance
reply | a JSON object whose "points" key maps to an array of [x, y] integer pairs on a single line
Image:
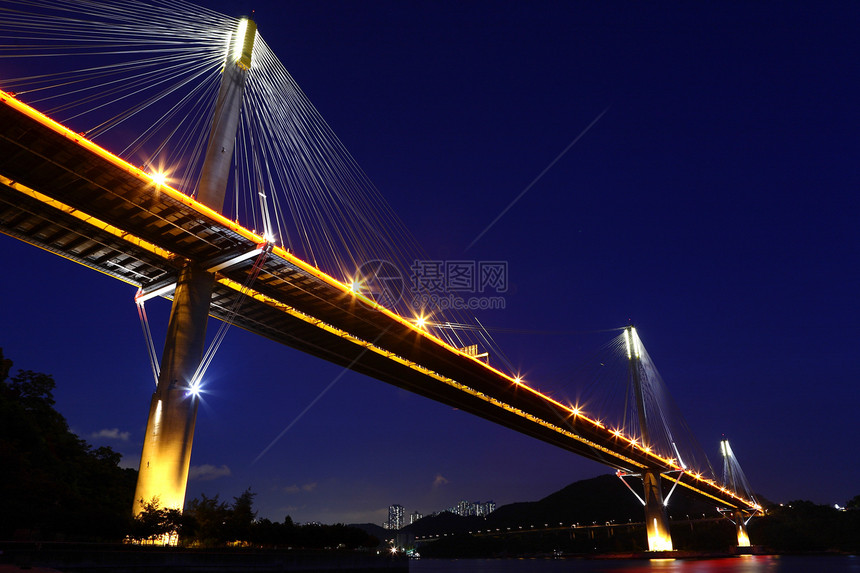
{"points": [[656, 519], [166, 455], [734, 478]]}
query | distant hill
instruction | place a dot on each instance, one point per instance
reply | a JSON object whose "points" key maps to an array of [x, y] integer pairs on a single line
{"points": [[375, 530], [445, 522], [596, 500], [600, 499]]}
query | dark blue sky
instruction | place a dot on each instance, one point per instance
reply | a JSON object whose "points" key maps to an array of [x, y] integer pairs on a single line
{"points": [[714, 204]]}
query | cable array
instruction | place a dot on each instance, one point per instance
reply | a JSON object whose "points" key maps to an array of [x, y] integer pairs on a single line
{"points": [[142, 76], [148, 69], [733, 475], [603, 382]]}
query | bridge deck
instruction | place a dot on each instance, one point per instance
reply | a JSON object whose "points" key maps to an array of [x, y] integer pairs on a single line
{"points": [[64, 194]]}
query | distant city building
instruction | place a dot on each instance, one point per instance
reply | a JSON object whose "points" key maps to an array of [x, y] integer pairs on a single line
{"points": [[476, 508], [395, 517], [465, 508], [485, 508], [414, 517]]}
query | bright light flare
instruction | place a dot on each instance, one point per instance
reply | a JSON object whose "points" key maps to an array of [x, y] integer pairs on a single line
{"points": [[239, 39], [195, 390], [658, 541], [159, 178], [632, 343], [355, 287]]}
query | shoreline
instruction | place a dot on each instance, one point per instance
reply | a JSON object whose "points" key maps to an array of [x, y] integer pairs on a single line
{"points": [[67, 557]]}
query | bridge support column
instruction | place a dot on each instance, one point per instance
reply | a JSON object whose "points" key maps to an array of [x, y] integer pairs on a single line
{"points": [[656, 520], [734, 477], [166, 456], [741, 528]]}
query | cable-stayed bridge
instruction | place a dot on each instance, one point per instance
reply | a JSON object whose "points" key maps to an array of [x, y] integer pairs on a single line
{"points": [[63, 193]]}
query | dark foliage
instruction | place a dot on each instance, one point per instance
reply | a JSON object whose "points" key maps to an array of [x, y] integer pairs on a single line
{"points": [[374, 530], [801, 526], [154, 522], [207, 518], [54, 484], [208, 522], [265, 533]]}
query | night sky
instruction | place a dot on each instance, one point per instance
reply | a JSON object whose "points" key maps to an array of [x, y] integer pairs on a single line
{"points": [[714, 204]]}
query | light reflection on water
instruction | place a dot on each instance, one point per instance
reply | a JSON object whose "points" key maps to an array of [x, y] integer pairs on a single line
{"points": [[742, 564]]}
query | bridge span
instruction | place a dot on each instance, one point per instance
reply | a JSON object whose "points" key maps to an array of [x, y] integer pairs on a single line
{"points": [[63, 193]]}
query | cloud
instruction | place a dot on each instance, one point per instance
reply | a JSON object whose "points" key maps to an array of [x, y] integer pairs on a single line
{"points": [[110, 434], [440, 480], [207, 472], [307, 488]]}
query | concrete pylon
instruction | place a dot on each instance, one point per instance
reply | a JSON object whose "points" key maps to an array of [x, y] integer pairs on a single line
{"points": [[733, 480], [741, 528], [656, 519], [166, 455]]}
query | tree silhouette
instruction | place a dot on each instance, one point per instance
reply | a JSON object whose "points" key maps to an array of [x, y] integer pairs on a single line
{"points": [[54, 483], [155, 523]]}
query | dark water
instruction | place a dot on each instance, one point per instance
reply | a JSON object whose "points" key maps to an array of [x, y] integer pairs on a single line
{"points": [[745, 564]]}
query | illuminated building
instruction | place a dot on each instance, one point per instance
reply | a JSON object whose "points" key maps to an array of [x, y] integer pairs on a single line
{"points": [[395, 517], [477, 508]]}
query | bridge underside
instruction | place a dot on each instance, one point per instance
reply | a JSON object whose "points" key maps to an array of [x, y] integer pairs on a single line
{"points": [[63, 194]]}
